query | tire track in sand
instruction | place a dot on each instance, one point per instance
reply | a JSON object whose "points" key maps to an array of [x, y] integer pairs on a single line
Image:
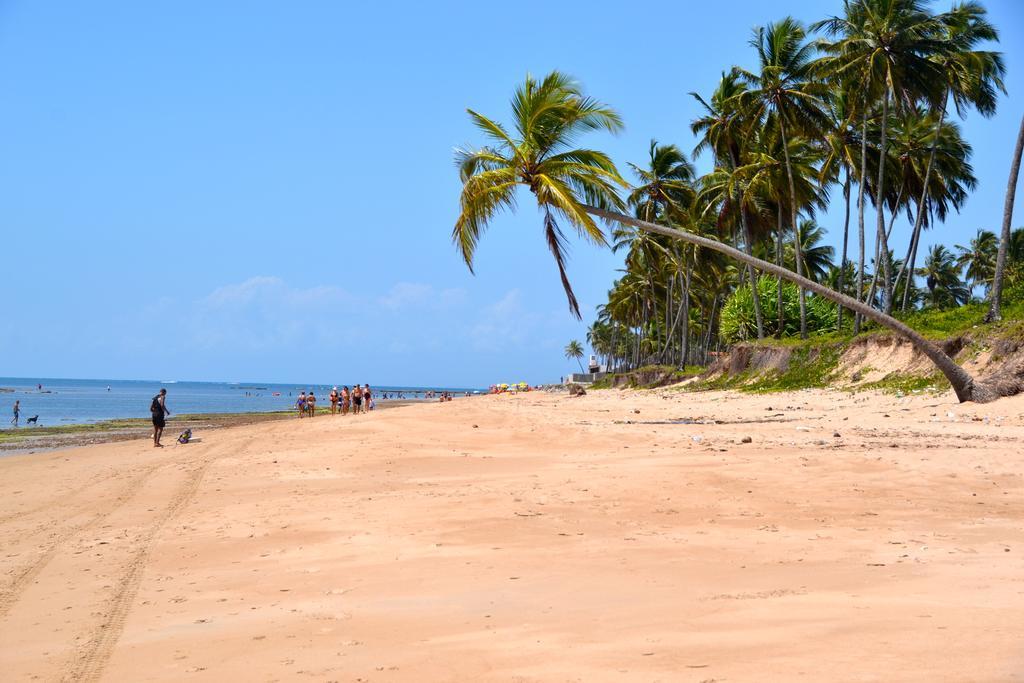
{"points": [[90, 664], [23, 577]]}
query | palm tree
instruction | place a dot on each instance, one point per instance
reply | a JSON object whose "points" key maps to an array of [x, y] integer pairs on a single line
{"points": [[666, 184], [841, 148], [561, 119], [548, 115], [942, 276], [996, 295], [978, 258], [722, 131], [784, 93], [933, 162], [972, 78], [575, 350], [817, 257], [887, 49]]}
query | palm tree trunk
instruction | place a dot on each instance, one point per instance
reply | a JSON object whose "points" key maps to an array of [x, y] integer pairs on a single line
{"points": [[748, 243], [966, 388], [996, 294], [880, 208], [916, 232], [780, 319], [846, 240], [797, 244], [860, 210], [880, 254], [686, 312], [908, 265]]}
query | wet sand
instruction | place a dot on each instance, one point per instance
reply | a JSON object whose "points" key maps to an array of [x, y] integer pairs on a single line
{"points": [[532, 538], [30, 439]]}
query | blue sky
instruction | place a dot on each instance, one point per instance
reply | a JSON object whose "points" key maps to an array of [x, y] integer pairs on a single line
{"points": [[265, 191]]}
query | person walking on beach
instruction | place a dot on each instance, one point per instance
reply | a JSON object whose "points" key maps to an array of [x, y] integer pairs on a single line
{"points": [[334, 401], [311, 403], [300, 403], [345, 400], [357, 399], [367, 398], [17, 413], [159, 410]]}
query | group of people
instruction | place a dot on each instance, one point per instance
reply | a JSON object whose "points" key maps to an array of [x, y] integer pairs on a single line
{"points": [[359, 399]]}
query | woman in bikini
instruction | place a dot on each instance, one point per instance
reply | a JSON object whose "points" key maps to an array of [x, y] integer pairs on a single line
{"points": [[344, 400], [311, 404], [334, 401]]}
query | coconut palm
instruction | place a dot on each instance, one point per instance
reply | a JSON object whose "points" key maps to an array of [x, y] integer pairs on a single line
{"points": [[666, 184], [887, 50], [489, 178], [978, 258], [784, 93], [1015, 250], [722, 130], [996, 295], [842, 146], [818, 258], [548, 115], [575, 350], [972, 78], [933, 163], [942, 276]]}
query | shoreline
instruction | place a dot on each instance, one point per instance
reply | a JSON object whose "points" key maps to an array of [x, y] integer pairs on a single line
{"points": [[27, 440]]}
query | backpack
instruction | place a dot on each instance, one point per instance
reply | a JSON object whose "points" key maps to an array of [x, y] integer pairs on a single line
{"points": [[155, 406], [185, 436]]}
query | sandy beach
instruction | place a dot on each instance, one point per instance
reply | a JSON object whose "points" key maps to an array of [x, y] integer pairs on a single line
{"points": [[620, 536]]}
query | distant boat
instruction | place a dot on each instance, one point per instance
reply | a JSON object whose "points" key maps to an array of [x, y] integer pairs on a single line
{"points": [[169, 381]]}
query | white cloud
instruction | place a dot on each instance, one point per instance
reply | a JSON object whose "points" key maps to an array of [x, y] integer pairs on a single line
{"points": [[405, 294], [504, 324]]}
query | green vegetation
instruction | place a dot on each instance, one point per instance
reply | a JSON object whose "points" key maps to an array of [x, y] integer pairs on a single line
{"points": [[738, 320], [858, 102], [899, 383], [648, 377], [810, 366]]}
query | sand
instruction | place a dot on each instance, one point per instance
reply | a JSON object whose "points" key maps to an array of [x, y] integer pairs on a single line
{"points": [[531, 538]]}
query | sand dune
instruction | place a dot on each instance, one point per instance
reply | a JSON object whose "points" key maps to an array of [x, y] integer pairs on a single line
{"points": [[532, 538]]}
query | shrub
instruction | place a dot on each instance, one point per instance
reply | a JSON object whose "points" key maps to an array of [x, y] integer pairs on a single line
{"points": [[738, 323]]}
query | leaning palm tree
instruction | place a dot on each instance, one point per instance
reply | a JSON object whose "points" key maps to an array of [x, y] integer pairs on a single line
{"points": [[548, 115], [574, 350], [490, 177]]}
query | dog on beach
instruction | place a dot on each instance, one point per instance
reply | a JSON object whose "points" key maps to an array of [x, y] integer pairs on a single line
{"points": [[34, 419]]}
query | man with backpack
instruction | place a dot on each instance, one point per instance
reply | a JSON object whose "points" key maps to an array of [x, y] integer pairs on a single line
{"points": [[159, 409]]}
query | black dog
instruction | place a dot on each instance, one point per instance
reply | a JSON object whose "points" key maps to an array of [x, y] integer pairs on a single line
{"points": [[34, 418]]}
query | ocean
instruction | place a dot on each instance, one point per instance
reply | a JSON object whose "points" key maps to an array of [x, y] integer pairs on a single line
{"points": [[77, 401]]}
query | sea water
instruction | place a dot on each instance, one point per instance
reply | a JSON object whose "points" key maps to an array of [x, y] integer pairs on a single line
{"points": [[76, 401]]}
